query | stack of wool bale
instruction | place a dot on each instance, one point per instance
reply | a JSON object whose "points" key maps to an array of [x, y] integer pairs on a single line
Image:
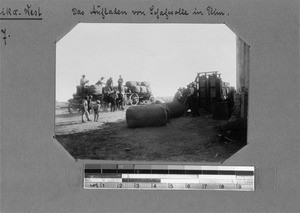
{"points": [[89, 90], [153, 114], [139, 87], [78, 94], [78, 90], [95, 89]]}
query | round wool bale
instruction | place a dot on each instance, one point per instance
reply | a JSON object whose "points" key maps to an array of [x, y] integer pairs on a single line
{"points": [[167, 110], [158, 100], [98, 90], [130, 84], [146, 115], [176, 109], [149, 90], [89, 89], [135, 89], [143, 89], [145, 83]]}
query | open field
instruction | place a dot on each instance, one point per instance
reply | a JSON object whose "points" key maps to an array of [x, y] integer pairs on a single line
{"points": [[184, 139]]}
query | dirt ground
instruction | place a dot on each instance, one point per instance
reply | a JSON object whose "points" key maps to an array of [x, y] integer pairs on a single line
{"points": [[184, 139]]}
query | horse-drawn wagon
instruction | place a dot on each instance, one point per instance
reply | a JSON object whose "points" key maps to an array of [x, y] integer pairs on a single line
{"points": [[133, 93], [75, 103]]}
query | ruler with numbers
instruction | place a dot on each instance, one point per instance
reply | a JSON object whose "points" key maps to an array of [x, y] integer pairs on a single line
{"points": [[168, 177]]}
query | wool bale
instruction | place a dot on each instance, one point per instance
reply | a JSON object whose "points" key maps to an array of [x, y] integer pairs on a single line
{"points": [[78, 90], [130, 84], [143, 89], [95, 89], [90, 89], [176, 109], [139, 83], [159, 100], [97, 97], [145, 83], [168, 112], [146, 115], [98, 90], [149, 90], [135, 89], [76, 96]]}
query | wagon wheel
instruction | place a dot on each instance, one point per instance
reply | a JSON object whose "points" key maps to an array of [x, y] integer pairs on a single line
{"points": [[73, 109], [134, 99]]}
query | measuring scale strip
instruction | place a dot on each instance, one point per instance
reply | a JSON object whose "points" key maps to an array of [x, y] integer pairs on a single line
{"points": [[167, 183], [170, 186], [154, 177]]}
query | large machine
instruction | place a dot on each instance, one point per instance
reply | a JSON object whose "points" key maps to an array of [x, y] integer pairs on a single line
{"points": [[213, 94]]}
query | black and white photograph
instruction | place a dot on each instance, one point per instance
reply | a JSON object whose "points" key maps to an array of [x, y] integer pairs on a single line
{"points": [[152, 92], [146, 106]]}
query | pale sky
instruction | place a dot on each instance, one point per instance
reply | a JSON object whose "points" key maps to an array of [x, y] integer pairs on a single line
{"points": [[169, 56]]}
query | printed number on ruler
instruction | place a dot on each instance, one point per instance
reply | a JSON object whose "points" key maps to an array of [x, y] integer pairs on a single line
{"points": [[94, 185], [153, 185]]}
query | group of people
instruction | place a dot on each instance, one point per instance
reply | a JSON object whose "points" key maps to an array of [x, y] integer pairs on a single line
{"points": [[109, 83], [87, 107], [111, 95], [188, 97]]}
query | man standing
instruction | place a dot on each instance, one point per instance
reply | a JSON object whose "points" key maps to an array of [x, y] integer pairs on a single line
{"points": [[90, 104], [187, 98], [109, 83], [83, 83], [177, 95], [97, 108], [106, 97], [85, 108], [120, 83], [193, 99], [100, 82]]}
